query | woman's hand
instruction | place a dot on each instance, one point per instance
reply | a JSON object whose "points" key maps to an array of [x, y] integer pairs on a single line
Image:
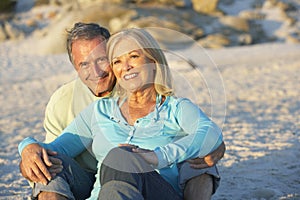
{"points": [[148, 155]]}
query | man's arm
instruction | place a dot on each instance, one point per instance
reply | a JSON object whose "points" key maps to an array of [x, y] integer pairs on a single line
{"points": [[209, 160], [35, 165]]}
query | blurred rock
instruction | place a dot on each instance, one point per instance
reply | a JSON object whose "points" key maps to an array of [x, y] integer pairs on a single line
{"points": [[245, 39], [7, 6], [252, 14], [205, 6], [200, 20], [236, 23], [3, 36], [214, 41], [293, 38], [12, 32]]}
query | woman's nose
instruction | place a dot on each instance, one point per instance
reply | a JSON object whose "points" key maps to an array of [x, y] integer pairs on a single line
{"points": [[126, 65]]}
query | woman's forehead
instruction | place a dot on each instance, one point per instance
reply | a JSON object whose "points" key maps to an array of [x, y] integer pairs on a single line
{"points": [[124, 46]]}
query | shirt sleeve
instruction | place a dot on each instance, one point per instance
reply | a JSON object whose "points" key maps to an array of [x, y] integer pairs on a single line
{"points": [[203, 136], [75, 138]]}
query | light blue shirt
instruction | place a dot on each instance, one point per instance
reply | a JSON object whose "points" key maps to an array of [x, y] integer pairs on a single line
{"points": [[176, 130]]}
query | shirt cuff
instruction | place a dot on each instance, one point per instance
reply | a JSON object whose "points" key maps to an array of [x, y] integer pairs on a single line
{"points": [[162, 160], [27, 141]]}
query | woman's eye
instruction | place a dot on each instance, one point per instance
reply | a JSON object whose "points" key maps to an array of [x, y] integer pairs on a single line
{"points": [[115, 62], [134, 56]]}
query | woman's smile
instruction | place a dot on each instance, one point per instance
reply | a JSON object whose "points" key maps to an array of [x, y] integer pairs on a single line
{"points": [[130, 76]]}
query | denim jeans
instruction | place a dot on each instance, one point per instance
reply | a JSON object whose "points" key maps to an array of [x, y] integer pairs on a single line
{"points": [[73, 182], [125, 176]]}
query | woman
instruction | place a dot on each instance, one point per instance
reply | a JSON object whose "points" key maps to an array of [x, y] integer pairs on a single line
{"points": [[144, 117]]}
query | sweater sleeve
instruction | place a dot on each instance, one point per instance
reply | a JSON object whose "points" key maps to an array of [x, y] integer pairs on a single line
{"points": [[203, 136]]}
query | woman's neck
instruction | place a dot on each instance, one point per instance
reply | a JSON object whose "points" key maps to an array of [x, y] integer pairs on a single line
{"points": [[139, 104], [141, 98]]}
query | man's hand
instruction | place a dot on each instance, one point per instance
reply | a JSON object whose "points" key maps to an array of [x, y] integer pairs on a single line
{"points": [[37, 166], [209, 160]]}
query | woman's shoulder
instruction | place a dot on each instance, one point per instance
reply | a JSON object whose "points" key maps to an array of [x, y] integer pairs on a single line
{"points": [[176, 101]]}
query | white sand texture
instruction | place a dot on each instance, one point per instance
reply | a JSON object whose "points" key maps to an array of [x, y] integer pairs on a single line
{"points": [[251, 91]]}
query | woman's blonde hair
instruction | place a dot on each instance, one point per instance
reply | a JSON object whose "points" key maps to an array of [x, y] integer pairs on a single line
{"points": [[149, 46]]}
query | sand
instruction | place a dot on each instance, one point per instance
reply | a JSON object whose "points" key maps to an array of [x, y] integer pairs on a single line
{"points": [[252, 92]]}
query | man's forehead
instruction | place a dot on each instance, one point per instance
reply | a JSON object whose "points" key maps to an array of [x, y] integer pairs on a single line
{"points": [[99, 49]]}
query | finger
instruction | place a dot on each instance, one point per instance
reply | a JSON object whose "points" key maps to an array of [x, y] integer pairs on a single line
{"points": [[30, 175], [123, 145], [140, 150], [55, 161], [55, 170], [128, 145], [41, 170], [45, 157], [39, 176], [194, 161], [51, 153], [53, 175], [199, 166], [209, 160]]}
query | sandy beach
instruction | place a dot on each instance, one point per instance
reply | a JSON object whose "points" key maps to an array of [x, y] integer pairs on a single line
{"points": [[252, 92], [261, 124]]}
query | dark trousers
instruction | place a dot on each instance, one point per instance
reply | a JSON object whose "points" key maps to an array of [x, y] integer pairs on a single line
{"points": [[125, 175]]}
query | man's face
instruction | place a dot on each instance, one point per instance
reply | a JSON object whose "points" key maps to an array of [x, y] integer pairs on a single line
{"points": [[92, 65]]}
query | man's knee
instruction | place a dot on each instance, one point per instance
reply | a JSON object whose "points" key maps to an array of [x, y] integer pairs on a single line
{"points": [[51, 196], [199, 187]]}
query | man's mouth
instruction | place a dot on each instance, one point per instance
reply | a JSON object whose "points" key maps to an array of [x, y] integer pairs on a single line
{"points": [[130, 76]]}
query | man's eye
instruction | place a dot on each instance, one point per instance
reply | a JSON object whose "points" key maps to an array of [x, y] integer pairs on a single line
{"points": [[84, 65], [102, 60]]}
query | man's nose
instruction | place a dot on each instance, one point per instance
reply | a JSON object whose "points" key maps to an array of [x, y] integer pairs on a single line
{"points": [[97, 69]]}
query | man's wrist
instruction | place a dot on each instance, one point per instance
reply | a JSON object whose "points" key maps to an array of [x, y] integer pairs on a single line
{"points": [[27, 141]]}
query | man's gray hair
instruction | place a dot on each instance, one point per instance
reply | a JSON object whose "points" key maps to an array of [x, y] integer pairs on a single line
{"points": [[85, 31]]}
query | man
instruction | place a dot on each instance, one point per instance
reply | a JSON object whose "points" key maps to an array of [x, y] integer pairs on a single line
{"points": [[86, 49]]}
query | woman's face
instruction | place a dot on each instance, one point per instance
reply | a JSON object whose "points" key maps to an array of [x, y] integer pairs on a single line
{"points": [[133, 70]]}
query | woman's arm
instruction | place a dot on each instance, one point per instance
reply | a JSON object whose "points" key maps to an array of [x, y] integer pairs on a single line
{"points": [[204, 136]]}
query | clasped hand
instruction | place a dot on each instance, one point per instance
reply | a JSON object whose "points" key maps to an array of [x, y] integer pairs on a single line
{"points": [[38, 164]]}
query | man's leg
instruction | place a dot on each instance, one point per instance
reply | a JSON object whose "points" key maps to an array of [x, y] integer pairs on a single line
{"points": [[199, 188], [51, 195], [72, 183]]}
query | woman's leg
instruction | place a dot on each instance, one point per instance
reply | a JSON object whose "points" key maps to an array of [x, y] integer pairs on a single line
{"points": [[122, 165]]}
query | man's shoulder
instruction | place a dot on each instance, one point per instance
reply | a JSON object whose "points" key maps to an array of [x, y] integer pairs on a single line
{"points": [[62, 93]]}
